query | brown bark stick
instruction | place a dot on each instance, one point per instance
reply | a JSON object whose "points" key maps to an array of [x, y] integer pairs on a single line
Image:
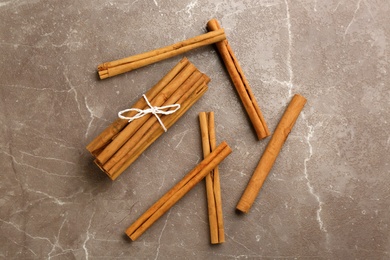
{"points": [[213, 187], [216, 181], [272, 150], [241, 84], [212, 212], [113, 68]]}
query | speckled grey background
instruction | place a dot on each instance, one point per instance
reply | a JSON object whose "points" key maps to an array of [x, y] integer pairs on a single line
{"points": [[327, 196]]}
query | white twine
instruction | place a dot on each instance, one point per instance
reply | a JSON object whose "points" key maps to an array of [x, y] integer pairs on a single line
{"points": [[152, 109]]}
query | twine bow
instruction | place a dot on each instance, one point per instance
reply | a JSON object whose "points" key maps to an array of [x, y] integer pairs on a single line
{"points": [[154, 110]]}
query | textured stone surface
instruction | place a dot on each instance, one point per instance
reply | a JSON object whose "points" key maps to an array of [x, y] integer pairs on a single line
{"points": [[327, 195]]}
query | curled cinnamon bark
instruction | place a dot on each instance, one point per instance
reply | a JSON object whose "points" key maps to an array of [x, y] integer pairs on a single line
{"points": [[109, 69], [271, 152], [213, 186], [241, 84]]}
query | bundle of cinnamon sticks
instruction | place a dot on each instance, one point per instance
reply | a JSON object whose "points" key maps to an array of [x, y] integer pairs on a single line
{"points": [[118, 146]]}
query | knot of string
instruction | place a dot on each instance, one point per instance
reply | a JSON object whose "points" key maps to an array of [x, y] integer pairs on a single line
{"points": [[164, 110]]}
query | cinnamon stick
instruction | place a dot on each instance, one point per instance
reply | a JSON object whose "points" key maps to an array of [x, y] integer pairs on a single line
{"points": [[106, 136], [241, 84], [213, 188], [178, 191], [271, 152], [217, 184], [113, 68]]}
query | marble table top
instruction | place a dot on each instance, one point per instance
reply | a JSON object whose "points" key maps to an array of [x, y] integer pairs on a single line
{"points": [[327, 196]]}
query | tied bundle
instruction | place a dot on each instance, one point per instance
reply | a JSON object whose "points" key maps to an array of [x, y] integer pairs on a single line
{"points": [[120, 144]]}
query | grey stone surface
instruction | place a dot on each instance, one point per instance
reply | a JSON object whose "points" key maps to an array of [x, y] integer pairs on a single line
{"points": [[327, 196]]}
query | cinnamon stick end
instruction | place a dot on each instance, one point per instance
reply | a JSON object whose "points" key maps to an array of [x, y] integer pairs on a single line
{"points": [[218, 241], [103, 74], [184, 60], [264, 134], [213, 25], [242, 207], [101, 168], [129, 235], [101, 67], [301, 98], [206, 78]]}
